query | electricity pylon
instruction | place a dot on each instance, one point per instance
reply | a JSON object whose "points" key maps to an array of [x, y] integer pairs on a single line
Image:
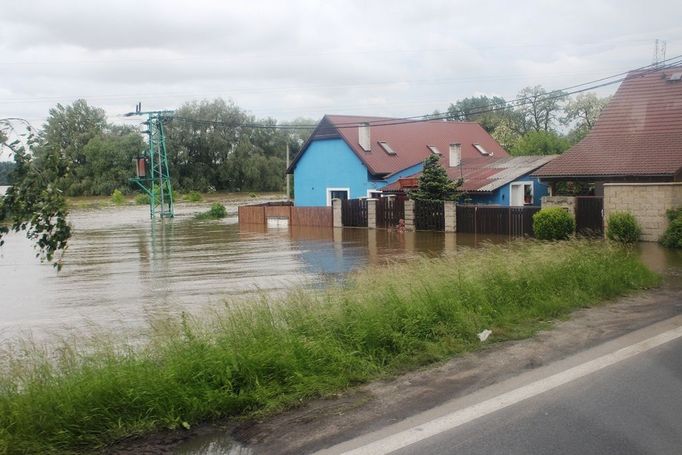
{"points": [[153, 175]]}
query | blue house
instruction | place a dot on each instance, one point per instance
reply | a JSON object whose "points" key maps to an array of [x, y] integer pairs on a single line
{"points": [[350, 157]]}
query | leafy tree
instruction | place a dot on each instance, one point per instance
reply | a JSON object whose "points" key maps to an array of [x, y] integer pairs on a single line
{"points": [[35, 203], [488, 111], [582, 112], [539, 143], [6, 168], [540, 110], [434, 183]]}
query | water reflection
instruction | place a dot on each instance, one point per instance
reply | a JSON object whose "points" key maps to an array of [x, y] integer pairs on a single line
{"points": [[122, 270]]}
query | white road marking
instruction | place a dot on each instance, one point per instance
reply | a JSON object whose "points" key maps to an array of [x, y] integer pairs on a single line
{"points": [[418, 433]]}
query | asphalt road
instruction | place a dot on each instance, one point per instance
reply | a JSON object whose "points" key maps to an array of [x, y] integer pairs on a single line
{"points": [[633, 407], [623, 397]]}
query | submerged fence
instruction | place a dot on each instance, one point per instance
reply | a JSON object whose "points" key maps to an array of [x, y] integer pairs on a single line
{"points": [[354, 212], [480, 219], [429, 215], [389, 211], [295, 216]]}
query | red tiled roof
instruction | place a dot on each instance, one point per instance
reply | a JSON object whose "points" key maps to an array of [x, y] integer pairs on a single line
{"points": [[639, 133], [482, 176], [410, 141]]}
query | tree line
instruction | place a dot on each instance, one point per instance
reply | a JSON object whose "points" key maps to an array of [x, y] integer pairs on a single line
{"points": [[541, 123]]}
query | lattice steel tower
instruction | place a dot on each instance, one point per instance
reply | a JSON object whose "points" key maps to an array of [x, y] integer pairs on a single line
{"points": [[153, 175]]}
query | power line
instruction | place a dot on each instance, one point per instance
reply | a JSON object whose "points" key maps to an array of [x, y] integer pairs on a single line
{"points": [[552, 95]]}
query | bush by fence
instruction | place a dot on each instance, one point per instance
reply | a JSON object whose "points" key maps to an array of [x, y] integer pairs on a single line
{"points": [[553, 223], [623, 228]]}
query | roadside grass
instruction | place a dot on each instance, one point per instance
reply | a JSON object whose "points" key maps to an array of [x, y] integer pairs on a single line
{"points": [[262, 357]]}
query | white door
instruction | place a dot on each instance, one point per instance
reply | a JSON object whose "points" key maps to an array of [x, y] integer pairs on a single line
{"points": [[516, 195]]}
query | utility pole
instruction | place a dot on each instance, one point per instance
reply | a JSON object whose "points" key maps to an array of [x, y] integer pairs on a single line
{"points": [[153, 175], [287, 176]]}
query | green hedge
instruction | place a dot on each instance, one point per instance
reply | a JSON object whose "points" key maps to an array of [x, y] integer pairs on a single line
{"points": [[623, 228], [553, 223]]}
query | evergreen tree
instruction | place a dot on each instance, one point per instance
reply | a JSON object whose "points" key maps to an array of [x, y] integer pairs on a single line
{"points": [[434, 183]]}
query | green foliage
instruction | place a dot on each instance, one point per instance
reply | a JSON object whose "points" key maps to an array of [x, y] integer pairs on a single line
{"points": [[672, 237], [582, 112], [192, 196], [35, 203], [488, 111], [274, 353], [6, 168], [539, 143], [540, 109], [553, 223], [216, 212], [142, 199], [252, 195], [117, 197], [623, 227], [434, 183]]}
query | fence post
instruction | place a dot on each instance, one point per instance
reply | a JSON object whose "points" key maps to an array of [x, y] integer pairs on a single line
{"points": [[450, 213], [336, 213], [371, 213], [409, 215]]}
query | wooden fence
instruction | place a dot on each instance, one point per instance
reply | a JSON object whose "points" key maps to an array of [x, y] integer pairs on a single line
{"points": [[589, 215], [354, 212], [390, 210], [297, 216], [429, 215], [511, 221]]}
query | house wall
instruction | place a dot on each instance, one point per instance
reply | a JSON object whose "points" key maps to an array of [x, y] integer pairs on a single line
{"points": [[647, 202], [329, 163], [501, 196], [404, 173]]}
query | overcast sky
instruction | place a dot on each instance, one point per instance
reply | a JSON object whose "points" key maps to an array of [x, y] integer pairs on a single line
{"points": [[294, 58]]}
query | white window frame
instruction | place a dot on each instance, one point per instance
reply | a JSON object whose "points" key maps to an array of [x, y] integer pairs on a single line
{"points": [[329, 194], [369, 193], [522, 184]]}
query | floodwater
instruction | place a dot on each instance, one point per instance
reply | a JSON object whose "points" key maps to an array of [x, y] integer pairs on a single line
{"points": [[122, 271]]}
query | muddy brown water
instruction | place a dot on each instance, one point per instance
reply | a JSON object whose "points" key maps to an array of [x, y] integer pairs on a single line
{"points": [[122, 271]]}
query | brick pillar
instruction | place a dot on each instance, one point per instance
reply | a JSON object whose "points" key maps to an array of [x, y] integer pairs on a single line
{"points": [[371, 213], [450, 216], [336, 212], [409, 215]]}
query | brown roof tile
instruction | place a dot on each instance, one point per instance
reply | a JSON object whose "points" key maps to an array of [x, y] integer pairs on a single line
{"points": [[639, 133], [410, 141]]}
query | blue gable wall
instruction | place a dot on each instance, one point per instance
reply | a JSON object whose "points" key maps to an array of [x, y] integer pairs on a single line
{"points": [[330, 163], [501, 195]]}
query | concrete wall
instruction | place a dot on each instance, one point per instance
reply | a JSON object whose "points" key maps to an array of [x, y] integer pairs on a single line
{"points": [[648, 203]]}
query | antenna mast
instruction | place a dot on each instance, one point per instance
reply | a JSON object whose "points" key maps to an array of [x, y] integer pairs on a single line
{"points": [[659, 52], [151, 166]]}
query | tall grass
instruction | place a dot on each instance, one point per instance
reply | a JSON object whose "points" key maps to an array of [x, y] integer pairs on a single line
{"points": [[262, 357]]}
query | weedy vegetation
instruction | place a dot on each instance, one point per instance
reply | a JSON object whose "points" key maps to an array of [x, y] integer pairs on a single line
{"points": [[216, 212], [259, 358]]}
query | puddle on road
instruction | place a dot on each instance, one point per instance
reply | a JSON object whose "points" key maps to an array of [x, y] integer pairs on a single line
{"points": [[212, 444]]}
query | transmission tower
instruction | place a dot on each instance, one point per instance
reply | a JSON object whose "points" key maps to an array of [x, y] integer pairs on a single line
{"points": [[152, 171], [659, 52]]}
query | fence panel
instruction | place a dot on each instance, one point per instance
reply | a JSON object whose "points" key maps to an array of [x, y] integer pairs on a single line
{"points": [[311, 216], [390, 210], [589, 215], [354, 212], [252, 214], [429, 215], [512, 221]]}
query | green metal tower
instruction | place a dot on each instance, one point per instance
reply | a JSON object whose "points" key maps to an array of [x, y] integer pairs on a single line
{"points": [[153, 175]]}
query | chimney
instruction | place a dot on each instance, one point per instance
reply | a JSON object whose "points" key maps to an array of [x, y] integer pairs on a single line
{"points": [[364, 138], [455, 154]]}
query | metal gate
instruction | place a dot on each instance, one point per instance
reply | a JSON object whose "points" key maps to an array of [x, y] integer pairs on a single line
{"points": [[390, 210], [429, 215], [354, 212], [589, 215]]}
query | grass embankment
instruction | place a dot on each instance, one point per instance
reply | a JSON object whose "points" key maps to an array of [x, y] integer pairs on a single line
{"points": [[263, 357]]}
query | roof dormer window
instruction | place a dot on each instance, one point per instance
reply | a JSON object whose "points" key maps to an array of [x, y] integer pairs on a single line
{"points": [[434, 149], [387, 148], [481, 150]]}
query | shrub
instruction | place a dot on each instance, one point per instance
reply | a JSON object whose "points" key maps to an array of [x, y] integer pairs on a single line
{"points": [[672, 238], [553, 223], [216, 212], [252, 194], [117, 197], [142, 199], [193, 196], [623, 228]]}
